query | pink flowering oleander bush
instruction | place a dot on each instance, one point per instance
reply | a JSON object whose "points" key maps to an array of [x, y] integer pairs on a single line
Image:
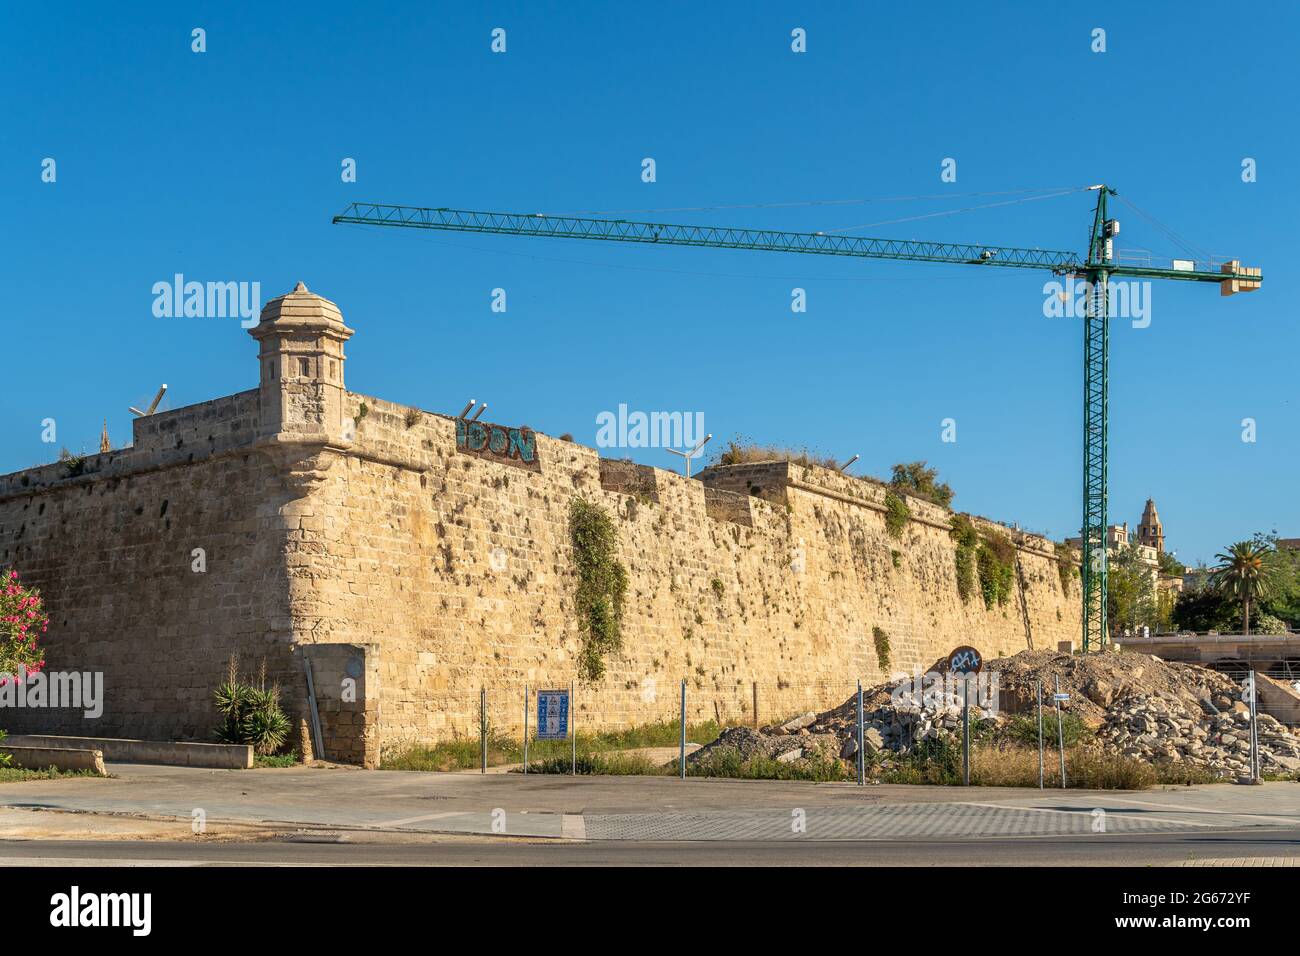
{"points": [[22, 622]]}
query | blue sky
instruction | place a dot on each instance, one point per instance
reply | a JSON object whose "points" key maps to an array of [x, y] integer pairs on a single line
{"points": [[225, 166]]}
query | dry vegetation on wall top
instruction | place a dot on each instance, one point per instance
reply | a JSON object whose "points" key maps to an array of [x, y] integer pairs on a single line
{"points": [[911, 477], [741, 452]]}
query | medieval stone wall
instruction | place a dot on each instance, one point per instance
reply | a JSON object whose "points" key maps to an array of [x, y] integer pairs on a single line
{"points": [[460, 569], [111, 544], [413, 562]]}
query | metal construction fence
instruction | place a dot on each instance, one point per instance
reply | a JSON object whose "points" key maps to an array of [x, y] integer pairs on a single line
{"points": [[625, 728], [649, 727], [824, 730]]}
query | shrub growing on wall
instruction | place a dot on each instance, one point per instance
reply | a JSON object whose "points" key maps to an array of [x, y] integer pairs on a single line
{"points": [[967, 540], [988, 558], [897, 514], [1065, 557], [602, 584], [882, 647], [915, 477], [996, 560]]}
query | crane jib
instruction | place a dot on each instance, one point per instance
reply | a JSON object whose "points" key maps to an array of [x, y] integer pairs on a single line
{"points": [[718, 237], [538, 225]]}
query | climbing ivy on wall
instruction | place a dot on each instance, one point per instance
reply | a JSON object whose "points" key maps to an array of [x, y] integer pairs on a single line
{"points": [[881, 640], [967, 540], [602, 584], [1065, 558], [987, 558], [997, 567]]}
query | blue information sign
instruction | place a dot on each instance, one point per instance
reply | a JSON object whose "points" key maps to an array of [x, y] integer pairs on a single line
{"points": [[552, 714]]}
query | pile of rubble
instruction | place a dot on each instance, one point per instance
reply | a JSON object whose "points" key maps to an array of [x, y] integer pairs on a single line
{"points": [[895, 729], [1139, 706], [1096, 681], [1159, 728]]}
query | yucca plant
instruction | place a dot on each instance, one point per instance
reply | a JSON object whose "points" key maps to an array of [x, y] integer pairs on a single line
{"points": [[250, 713]]}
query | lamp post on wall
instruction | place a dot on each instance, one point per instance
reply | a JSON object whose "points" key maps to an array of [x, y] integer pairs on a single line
{"points": [[688, 455], [153, 406], [849, 462]]}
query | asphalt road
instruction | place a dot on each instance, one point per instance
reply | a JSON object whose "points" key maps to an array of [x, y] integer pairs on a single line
{"points": [[1278, 847]]}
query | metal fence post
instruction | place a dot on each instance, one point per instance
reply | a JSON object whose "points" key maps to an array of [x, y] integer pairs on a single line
{"points": [[682, 749], [862, 756], [525, 728], [756, 705], [573, 727], [482, 729], [1060, 729], [965, 731], [1039, 684], [1254, 731]]}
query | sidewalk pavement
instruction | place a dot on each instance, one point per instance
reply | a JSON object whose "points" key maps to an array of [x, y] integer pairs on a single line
{"points": [[647, 808]]}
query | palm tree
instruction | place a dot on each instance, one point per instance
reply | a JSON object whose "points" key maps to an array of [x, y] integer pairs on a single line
{"points": [[1244, 574]]}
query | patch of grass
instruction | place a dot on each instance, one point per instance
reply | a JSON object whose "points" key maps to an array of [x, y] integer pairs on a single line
{"points": [[1023, 729], [938, 761], [612, 764], [1283, 777], [717, 586], [278, 760], [1085, 767], [727, 762], [463, 753], [933, 761], [664, 733], [1182, 774], [19, 774]]}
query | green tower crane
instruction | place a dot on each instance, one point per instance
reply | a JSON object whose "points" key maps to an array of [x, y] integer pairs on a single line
{"points": [[1097, 269]]}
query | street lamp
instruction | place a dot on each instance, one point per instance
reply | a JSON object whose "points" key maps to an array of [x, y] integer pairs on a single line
{"points": [[688, 455]]}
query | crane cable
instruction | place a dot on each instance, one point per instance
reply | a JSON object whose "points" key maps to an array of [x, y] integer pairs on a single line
{"points": [[1058, 190], [1194, 251], [953, 212]]}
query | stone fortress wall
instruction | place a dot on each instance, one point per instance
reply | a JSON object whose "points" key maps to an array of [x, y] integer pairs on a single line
{"points": [[415, 560]]}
